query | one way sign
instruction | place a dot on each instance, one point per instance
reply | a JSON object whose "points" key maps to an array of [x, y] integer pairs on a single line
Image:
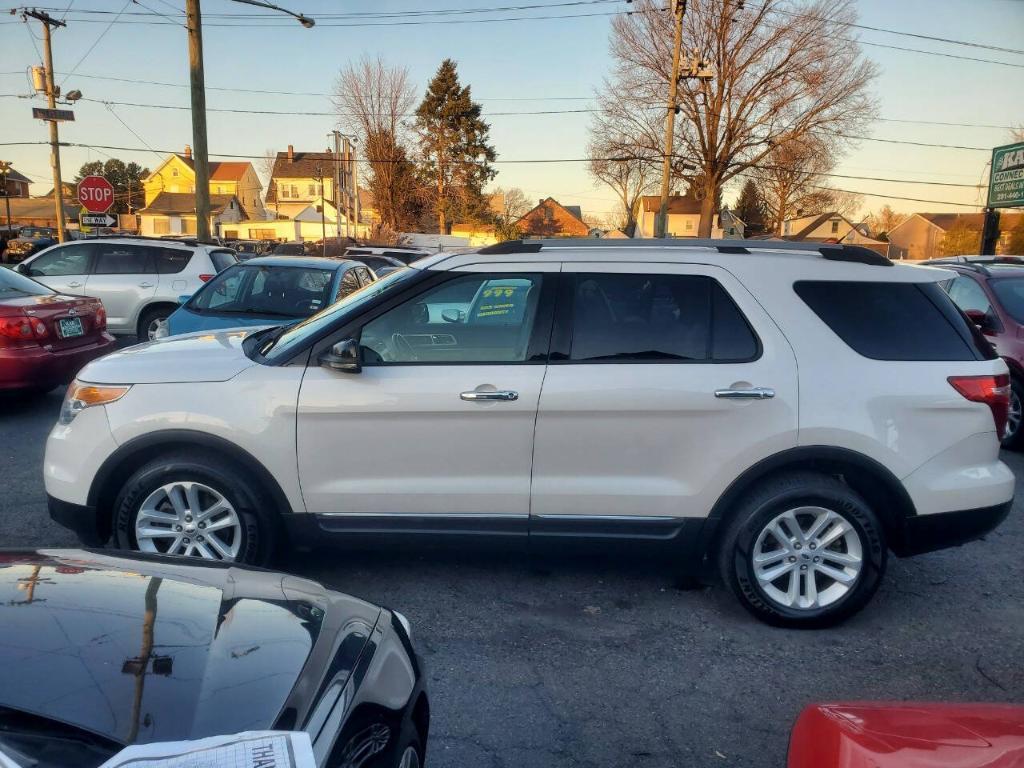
{"points": [[96, 220]]}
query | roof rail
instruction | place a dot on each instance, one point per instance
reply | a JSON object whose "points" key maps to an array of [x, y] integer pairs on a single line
{"points": [[832, 251]]}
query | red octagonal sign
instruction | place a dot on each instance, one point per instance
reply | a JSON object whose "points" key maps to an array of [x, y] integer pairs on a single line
{"points": [[96, 194]]}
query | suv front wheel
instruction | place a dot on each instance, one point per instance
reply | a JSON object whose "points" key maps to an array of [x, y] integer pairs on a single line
{"points": [[192, 505], [803, 550]]}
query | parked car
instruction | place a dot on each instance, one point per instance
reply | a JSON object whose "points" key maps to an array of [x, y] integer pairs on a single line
{"points": [[46, 337], [404, 255], [907, 735], [991, 291], [101, 651], [381, 265], [138, 279], [289, 249], [268, 290], [246, 249], [30, 240], [780, 414], [6, 235]]}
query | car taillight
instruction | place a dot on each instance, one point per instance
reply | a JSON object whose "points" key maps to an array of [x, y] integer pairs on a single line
{"points": [[993, 391], [23, 328], [101, 318], [206, 278]]}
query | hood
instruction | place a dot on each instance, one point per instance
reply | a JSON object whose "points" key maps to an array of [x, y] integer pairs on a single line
{"points": [[142, 649], [197, 357]]}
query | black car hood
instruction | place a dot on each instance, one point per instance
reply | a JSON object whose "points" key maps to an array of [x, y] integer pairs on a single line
{"points": [[147, 649]]}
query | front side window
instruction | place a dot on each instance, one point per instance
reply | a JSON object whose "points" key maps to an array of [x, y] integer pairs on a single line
{"points": [[59, 262], [115, 259], [470, 319], [653, 318], [14, 286], [349, 284]]}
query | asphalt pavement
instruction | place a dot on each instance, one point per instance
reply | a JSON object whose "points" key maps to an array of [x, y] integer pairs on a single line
{"points": [[592, 662]]}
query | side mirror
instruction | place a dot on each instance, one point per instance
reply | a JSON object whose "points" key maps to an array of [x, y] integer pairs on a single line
{"points": [[343, 356], [22, 268], [978, 317], [184, 298], [453, 315]]}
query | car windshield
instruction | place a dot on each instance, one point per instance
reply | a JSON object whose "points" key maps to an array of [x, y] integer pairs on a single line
{"points": [[273, 291], [14, 286], [281, 346], [1010, 292], [50, 743]]}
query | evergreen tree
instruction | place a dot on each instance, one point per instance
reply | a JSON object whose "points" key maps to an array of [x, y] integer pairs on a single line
{"points": [[126, 179], [750, 208], [455, 150]]}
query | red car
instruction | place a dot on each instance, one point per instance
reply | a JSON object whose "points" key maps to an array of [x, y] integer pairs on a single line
{"points": [[45, 336], [908, 735], [990, 290]]}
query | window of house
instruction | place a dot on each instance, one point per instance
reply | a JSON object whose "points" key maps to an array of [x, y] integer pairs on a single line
{"points": [[689, 225], [653, 318], [312, 190], [161, 226], [835, 226], [295, 190], [188, 226], [174, 172]]}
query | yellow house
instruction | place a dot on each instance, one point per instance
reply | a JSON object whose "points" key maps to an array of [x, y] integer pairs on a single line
{"points": [[177, 175]]}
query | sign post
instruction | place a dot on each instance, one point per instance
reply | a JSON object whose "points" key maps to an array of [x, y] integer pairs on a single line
{"points": [[1005, 190], [96, 196]]}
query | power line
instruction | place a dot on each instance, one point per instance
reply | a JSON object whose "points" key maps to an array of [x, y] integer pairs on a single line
{"points": [[96, 42]]}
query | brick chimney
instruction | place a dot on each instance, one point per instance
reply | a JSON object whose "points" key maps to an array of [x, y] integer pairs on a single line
{"points": [[188, 152], [291, 153]]}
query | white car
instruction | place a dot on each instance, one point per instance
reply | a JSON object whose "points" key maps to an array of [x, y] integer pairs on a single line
{"points": [[139, 280], [779, 415]]}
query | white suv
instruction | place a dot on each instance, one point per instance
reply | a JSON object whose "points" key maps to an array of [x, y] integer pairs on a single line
{"points": [[781, 416], [139, 280]]}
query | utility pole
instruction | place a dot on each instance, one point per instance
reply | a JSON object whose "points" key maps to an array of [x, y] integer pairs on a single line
{"points": [[200, 154], [336, 182], [5, 169], [355, 192], [51, 98], [323, 210], [661, 222]]}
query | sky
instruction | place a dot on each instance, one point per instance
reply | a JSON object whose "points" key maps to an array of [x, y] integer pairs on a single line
{"points": [[527, 65]]}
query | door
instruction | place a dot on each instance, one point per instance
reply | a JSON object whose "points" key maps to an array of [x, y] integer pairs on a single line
{"points": [[440, 420], [64, 268], [124, 278], [665, 382]]}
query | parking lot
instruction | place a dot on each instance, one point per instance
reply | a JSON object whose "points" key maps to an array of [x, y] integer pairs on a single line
{"points": [[600, 663]]}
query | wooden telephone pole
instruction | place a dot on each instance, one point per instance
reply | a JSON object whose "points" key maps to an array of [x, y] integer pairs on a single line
{"points": [[197, 81], [661, 222]]}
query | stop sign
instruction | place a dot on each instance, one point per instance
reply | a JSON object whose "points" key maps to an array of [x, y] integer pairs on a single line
{"points": [[96, 194]]}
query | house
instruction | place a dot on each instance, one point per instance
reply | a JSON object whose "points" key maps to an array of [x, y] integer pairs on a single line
{"points": [[831, 227], [17, 183], [552, 219], [177, 175], [302, 179], [69, 190], [174, 213], [683, 218], [36, 211], [920, 235], [477, 234]]}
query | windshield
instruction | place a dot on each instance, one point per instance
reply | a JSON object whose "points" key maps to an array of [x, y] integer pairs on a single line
{"points": [[281, 347], [1010, 292], [50, 743], [265, 290], [13, 285]]}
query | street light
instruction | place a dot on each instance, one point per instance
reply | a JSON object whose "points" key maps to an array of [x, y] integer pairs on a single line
{"points": [[303, 20]]}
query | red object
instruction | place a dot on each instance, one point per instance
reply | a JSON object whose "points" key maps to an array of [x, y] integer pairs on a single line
{"points": [[908, 735], [994, 391], [95, 194], [34, 353], [206, 278]]}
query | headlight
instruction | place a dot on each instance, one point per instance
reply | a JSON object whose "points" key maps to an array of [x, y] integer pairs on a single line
{"points": [[81, 396]]}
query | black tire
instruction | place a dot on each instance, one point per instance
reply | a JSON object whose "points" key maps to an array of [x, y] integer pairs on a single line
{"points": [[775, 496], [1014, 441], [409, 740], [257, 521], [147, 318]]}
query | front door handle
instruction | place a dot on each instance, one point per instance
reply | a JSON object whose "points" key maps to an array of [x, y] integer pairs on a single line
{"points": [[145, 285], [754, 393], [74, 285], [507, 395]]}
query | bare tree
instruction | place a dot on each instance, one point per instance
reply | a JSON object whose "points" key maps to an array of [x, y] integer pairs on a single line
{"points": [[510, 203], [789, 178], [265, 165], [372, 99], [883, 222], [779, 76]]}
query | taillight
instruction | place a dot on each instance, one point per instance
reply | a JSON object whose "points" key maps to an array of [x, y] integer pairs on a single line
{"points": [[993, 391], [206, 278], [101, 318], [23, 328]]}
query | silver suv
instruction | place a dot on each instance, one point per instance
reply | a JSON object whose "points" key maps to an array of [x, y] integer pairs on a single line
{"points": [[139, 280]]}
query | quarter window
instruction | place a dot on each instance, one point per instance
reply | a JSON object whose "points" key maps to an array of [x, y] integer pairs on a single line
{"points": [[967, 294], [349, 284], [471, 319], [652, 318]]}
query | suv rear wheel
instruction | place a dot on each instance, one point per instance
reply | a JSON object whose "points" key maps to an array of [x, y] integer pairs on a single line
{"points": [[195, 505], [1013, 437], [151, 321], [803, 550]]}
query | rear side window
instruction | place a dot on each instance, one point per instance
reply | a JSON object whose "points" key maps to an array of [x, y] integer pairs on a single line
{"points": [[171, 261], [117, 259], [223, 259], [894, 321], [652, 318]]}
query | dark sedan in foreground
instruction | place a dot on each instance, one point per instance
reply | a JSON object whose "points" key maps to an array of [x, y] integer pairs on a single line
{"points": [[100, 651]]}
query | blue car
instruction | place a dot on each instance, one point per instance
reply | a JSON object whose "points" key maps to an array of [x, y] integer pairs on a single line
{"points": [[268, 290]]}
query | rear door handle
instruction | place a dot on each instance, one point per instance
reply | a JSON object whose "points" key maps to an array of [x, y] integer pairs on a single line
{"points": [[754, 393], [145, 285], [507, 395]]}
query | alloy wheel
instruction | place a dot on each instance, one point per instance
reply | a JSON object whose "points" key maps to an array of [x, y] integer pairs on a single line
{"points": [[807, 558], [155, 326], [191, 519], [410, 758]]}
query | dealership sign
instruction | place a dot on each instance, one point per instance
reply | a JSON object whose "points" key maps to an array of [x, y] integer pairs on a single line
{"points": [[1006, 182]]}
